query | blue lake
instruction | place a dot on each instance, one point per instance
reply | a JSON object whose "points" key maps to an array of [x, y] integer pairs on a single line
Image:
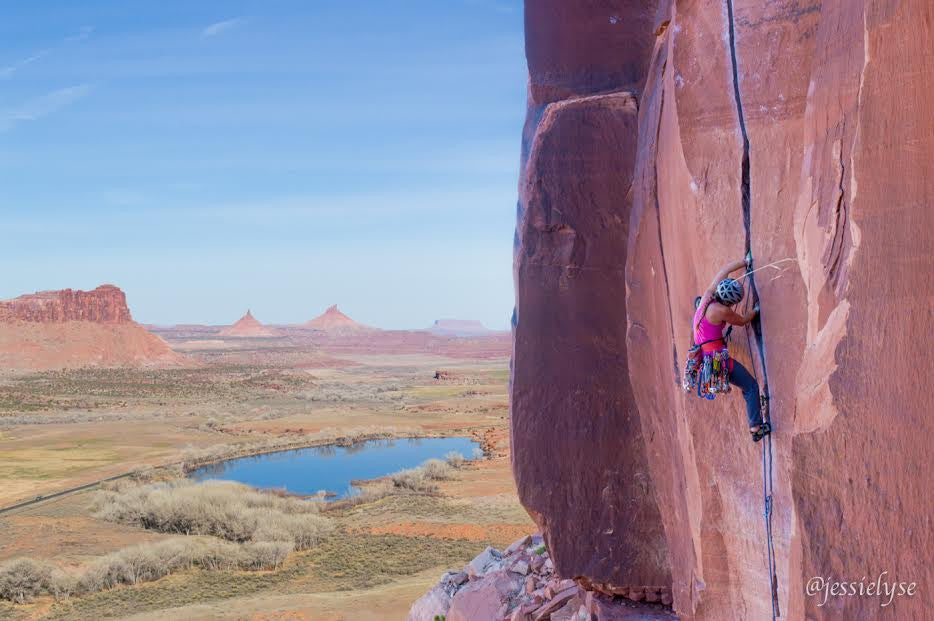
{"points": [[332, 468]]}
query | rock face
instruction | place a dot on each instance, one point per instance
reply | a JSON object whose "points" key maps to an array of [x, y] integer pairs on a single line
{"points": [[332, 320], [248, 327], [647, 123], [63, 329], [459, 327], [106, 304]]}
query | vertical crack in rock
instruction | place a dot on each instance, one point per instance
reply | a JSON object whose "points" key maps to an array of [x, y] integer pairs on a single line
{"points": [[840, 221], [756, 323], [746, 193], [661, 245]]}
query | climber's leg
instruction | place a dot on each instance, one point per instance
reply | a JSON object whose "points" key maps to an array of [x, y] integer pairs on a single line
{"points": [[742, 379]]}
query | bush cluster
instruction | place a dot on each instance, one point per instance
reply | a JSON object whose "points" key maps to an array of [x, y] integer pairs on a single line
{"points": [[424, 477], [223, 509], [23, 579]]}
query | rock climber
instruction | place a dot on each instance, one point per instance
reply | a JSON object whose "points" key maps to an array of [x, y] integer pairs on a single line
{"points": [[714, 312]]}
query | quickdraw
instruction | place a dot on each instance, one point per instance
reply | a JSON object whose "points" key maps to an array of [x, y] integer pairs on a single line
{"points": [[708, 373]]}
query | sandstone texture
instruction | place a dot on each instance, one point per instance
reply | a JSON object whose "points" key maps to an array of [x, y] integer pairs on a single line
{"points": [[647, 124], [68, 329], [248, 327]]}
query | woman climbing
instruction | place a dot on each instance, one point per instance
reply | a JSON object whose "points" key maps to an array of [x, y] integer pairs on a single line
{"points": [[713, 312]]}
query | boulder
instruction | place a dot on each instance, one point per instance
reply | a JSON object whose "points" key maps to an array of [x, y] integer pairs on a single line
{"points": [[479, 565], [484, 598], [435, 602]]}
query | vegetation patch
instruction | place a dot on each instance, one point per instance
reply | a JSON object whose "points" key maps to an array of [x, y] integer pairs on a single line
{"points": [[355, 561], [222, 509]]}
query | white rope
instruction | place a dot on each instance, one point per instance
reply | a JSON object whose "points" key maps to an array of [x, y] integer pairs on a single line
{"points": [[773, 265]]}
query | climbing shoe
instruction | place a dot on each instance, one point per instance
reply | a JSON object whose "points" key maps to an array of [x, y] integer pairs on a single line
{"points": [[763, 430]]}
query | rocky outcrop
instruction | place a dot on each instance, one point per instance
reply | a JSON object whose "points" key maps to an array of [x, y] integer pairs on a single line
{"points": [[67, 329], [106, 304], [333, 320], [459, 327], [248, 327], [519, 584], [661, 142]]}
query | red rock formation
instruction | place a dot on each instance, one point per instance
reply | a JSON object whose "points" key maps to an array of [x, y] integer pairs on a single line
{"points": [[578, 450], [62, 329], [830, 99], [332, 320], [106, 304], [459, 327], [248, 327]]}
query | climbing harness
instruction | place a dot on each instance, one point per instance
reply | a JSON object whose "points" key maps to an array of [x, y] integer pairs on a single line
{"points": [[707, 373]]}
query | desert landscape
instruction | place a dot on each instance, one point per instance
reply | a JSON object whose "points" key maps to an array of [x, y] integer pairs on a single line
{"points": [[149, 406], [475, 310]]}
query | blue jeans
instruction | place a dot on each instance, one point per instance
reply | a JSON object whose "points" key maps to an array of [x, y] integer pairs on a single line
{"points": [[742, 379]]}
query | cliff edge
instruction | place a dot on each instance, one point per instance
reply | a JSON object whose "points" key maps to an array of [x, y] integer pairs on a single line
{"points": [[663, 140]]}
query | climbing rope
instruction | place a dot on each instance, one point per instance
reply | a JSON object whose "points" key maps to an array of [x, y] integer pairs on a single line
{"points": [[774, 264], [766, 460]]}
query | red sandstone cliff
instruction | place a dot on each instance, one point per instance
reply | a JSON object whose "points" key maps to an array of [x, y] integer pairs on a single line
{"points": [[106, 304], [62, 329], [642, 134]]}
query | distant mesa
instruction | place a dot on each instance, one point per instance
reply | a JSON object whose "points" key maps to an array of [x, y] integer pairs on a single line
{"points": [[249, 327], [332, 320], [70, 328], [460, 327], [106, 304]]}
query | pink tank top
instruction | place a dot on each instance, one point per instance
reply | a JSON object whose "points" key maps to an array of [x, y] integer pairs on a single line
{"points": [[707, 331]]}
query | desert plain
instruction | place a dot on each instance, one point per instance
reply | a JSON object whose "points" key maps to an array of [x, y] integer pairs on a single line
{"points": [[61, 429]]}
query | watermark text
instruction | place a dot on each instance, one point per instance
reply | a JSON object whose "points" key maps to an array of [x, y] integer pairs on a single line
{"points": [[882, 587]]}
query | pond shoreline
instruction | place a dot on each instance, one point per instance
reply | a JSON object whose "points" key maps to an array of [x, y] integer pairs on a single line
{"points": [[478, 435], [337, 470]]}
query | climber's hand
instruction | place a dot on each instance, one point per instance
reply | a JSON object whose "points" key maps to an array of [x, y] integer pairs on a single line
{"points": [[754, 313]]}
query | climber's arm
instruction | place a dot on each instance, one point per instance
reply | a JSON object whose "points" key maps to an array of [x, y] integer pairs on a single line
{"points": [[720, 313], [727, 269]]}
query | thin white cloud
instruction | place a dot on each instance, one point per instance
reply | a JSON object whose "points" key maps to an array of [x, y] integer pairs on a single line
{"points": [[41, 106], [219, 27], [8, 71]]}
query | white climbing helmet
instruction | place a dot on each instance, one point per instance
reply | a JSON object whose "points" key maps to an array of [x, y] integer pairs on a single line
{"points": [[729, 291]]}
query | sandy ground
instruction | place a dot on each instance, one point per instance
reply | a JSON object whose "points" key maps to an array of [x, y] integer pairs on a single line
{"points": [[391, 601], [75, 427]]}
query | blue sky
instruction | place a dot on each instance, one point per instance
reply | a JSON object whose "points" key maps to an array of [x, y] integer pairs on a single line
{"points": [[283, 156]]}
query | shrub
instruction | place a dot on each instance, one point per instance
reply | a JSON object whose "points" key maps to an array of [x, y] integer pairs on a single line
{"points": [[223, 509], [436, 470], [266, 554], [22, 579], [422, 479], [413, 480], [454, 459]]}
